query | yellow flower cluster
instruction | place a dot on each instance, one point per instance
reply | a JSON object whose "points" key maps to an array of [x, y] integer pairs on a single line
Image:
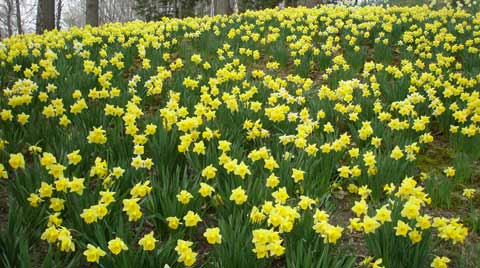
{"points": [[185, 252], [321, 226], [267, 243], [412, 222]]}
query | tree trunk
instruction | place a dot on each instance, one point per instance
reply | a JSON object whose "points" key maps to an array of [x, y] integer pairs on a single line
{"points": [[235, 6], [19, 17], [59, 14], [9, 18], [49, 14], [223, 7], [45, 15], [180, 9], [175, 6], [310, 3], [39, 15], [188, 8], [291, 3], [92, 12]]}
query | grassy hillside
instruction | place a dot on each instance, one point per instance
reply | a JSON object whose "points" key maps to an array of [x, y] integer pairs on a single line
{"points": [[326, 137]]}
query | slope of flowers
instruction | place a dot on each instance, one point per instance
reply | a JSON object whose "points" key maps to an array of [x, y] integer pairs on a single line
{"points": [[222, 141]]}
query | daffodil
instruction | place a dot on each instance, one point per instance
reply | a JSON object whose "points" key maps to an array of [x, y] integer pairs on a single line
{"points": [[213, 235], [148, 242], [238, 195], [17, 161], [116, 246], [402, 228], [93, 253]]}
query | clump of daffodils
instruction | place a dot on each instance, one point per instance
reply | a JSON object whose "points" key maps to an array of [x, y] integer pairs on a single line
{"points": [[185, 252], [401, 221], [267, 243], [409, 199], [330, 233], [290, 107]]}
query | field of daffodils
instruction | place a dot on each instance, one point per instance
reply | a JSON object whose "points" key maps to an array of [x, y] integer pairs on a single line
{"points": [[333, 137]]}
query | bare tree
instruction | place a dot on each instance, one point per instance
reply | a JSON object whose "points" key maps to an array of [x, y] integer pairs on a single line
{"points": [[26, 10], [73, 14], [291, 3], [91, 15], [19, 17], [309, 3], [222, 7], [9, 9], [59, 14], [178, 9], [29, 18], [45, 15], [235, 6], [116, 11], [38, 23]]}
